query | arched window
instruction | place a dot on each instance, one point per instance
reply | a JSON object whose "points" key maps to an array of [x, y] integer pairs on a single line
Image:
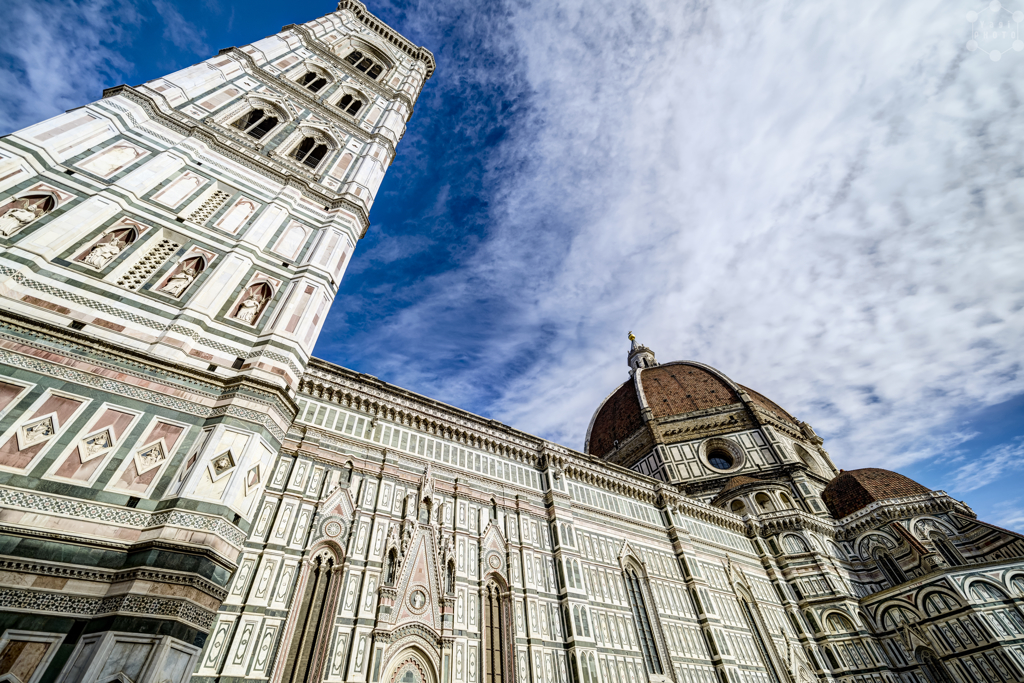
{"points": [[586, 622], [761, 643], [310, 152], [937, 603], [495, 638], [795, 545], [18, 213], [314, 617], [576, 620], [636, 599], [786, 502], [986, 592], [350, 104], [833, 664], [837, 623], [364, 64], [948, 551], [890, 568], [312, 81], [576, 573], [932, 666], [738, 507], [257, 123], [764, 502]]}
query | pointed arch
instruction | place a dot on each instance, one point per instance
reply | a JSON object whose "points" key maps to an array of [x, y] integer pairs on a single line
{"points": [[634, 576], [311, 621], [498, 650], [763, 643]]}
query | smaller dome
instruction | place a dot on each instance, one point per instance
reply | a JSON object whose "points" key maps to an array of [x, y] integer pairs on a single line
{"points": [[856, 489]]}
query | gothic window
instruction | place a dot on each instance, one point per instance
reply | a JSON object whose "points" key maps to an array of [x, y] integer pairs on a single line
{"points": [[932, 666], [257, 123], [252, 303], [18, 213], [312, 81], [495, 637], [350, 104], [890, 568], [586, 622], [635, 592], [365, 64], [760, 643], [313, 619], [310, 152], [576, 620], [107, 248], [947, 550]]}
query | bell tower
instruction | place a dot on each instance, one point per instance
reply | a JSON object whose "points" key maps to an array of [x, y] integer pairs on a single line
{"points": [[168, 255]]}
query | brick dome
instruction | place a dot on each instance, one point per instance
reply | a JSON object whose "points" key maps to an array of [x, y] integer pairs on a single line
{"points": [[669, 390], [856, 489]]}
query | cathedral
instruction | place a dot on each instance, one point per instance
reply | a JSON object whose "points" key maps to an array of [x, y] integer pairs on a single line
{"points": [[186, 494]]}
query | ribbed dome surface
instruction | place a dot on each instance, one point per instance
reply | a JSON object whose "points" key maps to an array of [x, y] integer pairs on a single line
{"points": [[737, 482], [618, 418], [669, 390], [856, 489]]}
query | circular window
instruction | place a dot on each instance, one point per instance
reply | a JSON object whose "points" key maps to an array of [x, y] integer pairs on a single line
{"points": [[720, 459]]}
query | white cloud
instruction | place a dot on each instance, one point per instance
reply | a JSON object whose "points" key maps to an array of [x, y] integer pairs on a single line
{"points": [[990, 467], [821, 200], [60, 56]]}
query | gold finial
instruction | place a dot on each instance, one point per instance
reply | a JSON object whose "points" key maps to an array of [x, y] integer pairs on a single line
{"points": [[632, 337]]}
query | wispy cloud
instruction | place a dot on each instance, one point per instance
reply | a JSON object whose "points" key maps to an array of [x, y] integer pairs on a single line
{"points": [[61, 55], [989, 466], [822, 201], [182, 33]]}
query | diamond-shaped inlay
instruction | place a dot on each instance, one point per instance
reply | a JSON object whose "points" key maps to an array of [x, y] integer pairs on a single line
{"points": [[149, 457], [222, 463], [252, 479], [95, 445], [37, 432]]}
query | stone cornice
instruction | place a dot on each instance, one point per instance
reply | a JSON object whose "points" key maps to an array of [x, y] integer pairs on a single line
{"points": [[333, 384], [387, 33], [883, 512], [234, 151], [366, 83]]}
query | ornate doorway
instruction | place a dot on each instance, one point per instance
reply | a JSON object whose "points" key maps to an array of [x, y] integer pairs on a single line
{"points": [[411, 667]]}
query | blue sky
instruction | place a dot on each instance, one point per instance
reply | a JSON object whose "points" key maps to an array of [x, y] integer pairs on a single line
{"points": [[825, 202]]}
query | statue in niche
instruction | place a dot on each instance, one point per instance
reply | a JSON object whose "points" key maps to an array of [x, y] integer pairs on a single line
{"points": [[103, 252], [20, 212], [180, 280], [253, 303]]}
